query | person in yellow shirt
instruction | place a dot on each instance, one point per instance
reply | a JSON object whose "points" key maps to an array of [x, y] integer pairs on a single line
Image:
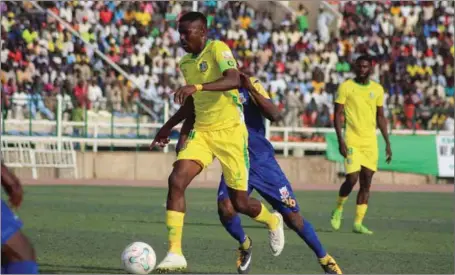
{"points": [[142, 17], [361, 100], [244, 21], [212, 78]]}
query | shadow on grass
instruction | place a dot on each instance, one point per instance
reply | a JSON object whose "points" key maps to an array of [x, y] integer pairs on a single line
{"points": [[81, 269], [58, 269], [258, 226]]}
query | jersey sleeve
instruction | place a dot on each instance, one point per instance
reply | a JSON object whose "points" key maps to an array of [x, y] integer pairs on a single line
{"points": [[380, 98], [258, 85], [341, 94], [224, 57]]}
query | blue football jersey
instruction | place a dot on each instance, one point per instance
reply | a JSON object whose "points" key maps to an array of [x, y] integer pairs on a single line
{"points": [[260, 149]]}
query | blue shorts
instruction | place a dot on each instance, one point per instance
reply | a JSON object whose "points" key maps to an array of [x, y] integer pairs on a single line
{"points": [[10, 223], [270, 182]]}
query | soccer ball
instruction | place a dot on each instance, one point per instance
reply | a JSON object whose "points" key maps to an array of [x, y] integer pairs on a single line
{"points": [[138, 258]]}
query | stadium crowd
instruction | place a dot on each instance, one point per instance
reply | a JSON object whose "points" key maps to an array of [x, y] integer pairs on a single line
{"points": [[412, 43]]}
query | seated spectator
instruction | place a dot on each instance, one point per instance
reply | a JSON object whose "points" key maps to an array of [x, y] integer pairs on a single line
{"points": [[411, 44]]}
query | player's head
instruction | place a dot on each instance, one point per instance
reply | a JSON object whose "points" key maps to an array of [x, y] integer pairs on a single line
{"points": [[363, 66], [193, 31]]}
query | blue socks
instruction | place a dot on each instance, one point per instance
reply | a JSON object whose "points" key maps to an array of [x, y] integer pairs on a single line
{"points": [[234, 228], [307, 233], [27, 267], [310, 237]]}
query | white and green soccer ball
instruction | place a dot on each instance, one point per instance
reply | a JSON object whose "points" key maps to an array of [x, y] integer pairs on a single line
{"points": [[138, 258]]}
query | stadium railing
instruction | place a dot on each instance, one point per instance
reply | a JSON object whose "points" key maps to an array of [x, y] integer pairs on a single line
{"points": [[105, 129]]}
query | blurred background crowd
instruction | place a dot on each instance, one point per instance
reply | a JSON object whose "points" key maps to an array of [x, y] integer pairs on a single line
{"points": [[412, 43]]}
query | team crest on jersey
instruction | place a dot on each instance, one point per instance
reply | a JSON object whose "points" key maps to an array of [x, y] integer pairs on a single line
{"points": [[284, 192], [203, 66], [371, 95]]}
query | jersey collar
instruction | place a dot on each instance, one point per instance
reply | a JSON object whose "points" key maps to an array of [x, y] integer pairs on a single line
{"points": [[365, 85], [194, 56]]}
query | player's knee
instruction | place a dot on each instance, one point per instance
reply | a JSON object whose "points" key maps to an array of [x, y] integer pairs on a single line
{"points": [[352, 178], [19, 249], [293, 221], [29, 253], [226, 210], [177, 182], [365, 186], [240, 204]]}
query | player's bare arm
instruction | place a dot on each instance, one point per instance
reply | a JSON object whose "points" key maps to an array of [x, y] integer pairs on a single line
{"points": [[162, 137], [229, 81], [12, 186], [187, 126], [268, 109], [382, 125], [339, 110]]}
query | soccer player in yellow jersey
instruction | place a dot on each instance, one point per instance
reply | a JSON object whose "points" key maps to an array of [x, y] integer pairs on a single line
{"points": [[210, 71], [361, 101]]}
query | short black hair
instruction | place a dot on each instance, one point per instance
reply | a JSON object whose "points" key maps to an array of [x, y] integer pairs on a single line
{"points": [[193, 16], [364, 57]]}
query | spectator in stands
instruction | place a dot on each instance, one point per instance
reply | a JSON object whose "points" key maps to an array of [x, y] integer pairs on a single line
{"points": [[95, 96], [405, 39]]}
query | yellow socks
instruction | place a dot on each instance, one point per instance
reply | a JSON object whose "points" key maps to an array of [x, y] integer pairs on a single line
{"points": [[360, 212], [246, 244], [340, 203], [267, 218], [174, 223]]}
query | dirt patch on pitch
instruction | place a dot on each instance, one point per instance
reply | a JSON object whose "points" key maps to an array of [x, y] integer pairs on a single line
{"points": [[439, 188]]}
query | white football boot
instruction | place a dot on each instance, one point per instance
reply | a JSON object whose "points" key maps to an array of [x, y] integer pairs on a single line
{"points": [[171, 263], [276, 237]]}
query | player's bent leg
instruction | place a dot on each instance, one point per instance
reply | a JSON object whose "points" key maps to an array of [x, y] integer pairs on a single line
{"points": [[183, 173], [345, 190], [255, 209], [231, 222], [366, 176], [230, 146], [19, 255], [305, 230]]}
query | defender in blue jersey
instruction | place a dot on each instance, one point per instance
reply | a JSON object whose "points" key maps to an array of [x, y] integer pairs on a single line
{"points": [[18, 255], [265, 176]]}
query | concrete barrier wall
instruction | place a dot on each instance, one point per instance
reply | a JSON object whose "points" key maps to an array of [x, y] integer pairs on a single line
{"points": [[158, 166]]}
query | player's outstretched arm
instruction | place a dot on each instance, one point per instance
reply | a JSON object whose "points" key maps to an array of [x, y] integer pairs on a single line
{"points": [[162, 137], [382, 125], [260, 97], [12, 186], [339, 109]]}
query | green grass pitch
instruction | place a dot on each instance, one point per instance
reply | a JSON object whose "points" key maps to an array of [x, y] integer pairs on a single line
{"points": [[84, 230]]}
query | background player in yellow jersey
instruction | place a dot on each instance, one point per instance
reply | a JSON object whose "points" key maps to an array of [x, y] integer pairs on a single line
{"points": [[210, 71], [361, 101]]}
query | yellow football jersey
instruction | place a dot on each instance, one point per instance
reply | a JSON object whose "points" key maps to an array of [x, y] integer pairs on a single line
{"points": [[360, 103], [214, 110]]}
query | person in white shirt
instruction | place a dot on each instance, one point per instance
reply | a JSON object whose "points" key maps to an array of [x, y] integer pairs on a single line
{"points": [[324, 20], [95, 95], [19, 101]]}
